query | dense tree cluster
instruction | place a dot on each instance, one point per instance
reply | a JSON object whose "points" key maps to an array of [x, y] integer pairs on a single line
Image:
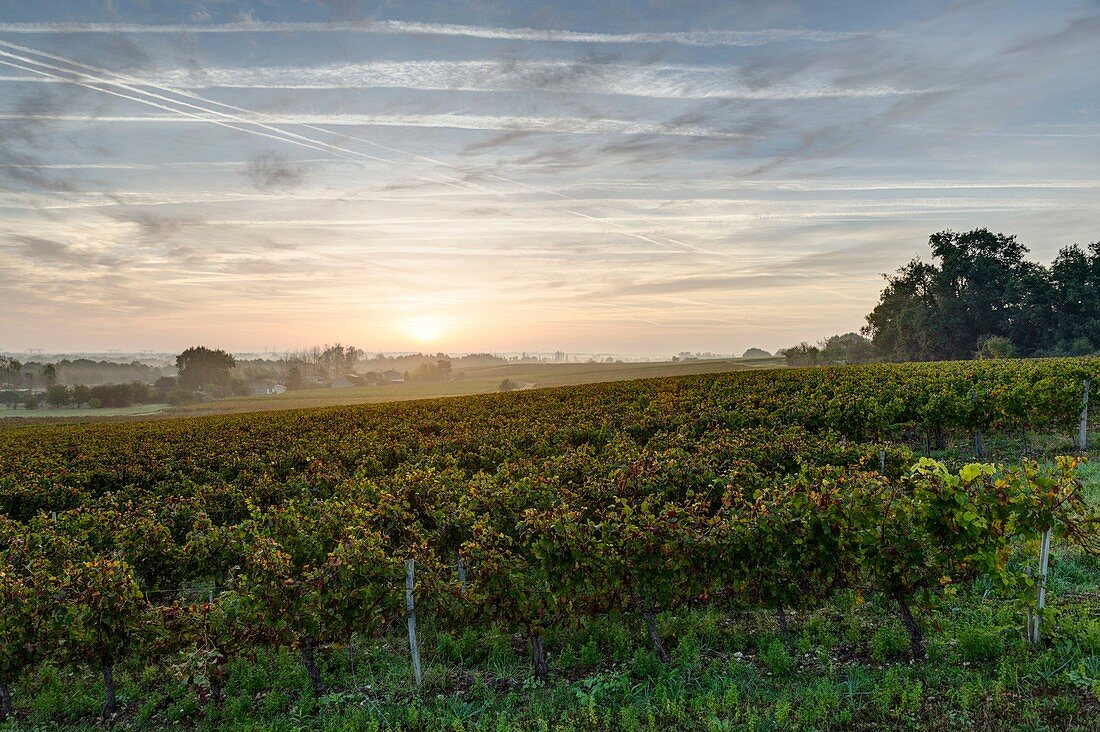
{"points": [[980, 287], [979, 298], [199, 366], [71, 372], [833, 351]]}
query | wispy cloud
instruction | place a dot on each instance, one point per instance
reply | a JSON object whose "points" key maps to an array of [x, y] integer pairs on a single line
{"points": [[660, 81], [703, 38], [564, 125], [271, 171]]}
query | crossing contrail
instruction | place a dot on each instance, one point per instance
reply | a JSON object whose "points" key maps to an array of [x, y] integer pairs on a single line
{"points": [[234, 121]]}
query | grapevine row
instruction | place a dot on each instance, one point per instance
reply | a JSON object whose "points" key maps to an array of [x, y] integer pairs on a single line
{"points": [[196, 541]]}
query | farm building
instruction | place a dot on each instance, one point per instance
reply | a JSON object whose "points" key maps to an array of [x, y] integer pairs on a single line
{"points": [[267, 386]]}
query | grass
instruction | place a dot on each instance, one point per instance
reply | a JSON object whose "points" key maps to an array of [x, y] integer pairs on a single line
{"points": [[728, 671], [71, 412], [847, 668]]}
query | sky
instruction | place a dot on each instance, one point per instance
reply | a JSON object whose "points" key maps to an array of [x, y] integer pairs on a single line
{"points": [[469, 175]]}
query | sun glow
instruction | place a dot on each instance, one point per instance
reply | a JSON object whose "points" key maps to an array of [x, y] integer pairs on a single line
{"points": [[425, 327]]}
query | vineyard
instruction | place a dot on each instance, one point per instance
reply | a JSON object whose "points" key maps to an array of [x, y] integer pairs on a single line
{"points": [[183, 550]]}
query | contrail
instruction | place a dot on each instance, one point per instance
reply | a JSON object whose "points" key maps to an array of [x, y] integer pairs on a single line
{"points": [[551, 125], [129, 83], [396, 27], [97, 86], [279, 133], [650, 80]]}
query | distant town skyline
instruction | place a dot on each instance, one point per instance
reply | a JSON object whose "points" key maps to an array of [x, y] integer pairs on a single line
{"points": [[619, 177]]}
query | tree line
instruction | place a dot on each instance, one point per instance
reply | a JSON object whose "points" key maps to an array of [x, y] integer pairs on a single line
{"points": [[979, 297]]}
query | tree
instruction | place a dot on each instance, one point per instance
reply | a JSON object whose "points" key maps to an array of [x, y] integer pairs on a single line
{"points": [[113, 395], [981, 286], [49, 374], [164, 386], [756, 353], [802, 355], [1075, 288], [9, 369], [58, 395], [995, 347], [80, 394], [438, 371], [294, 378], [847, 348], [199, 365]]}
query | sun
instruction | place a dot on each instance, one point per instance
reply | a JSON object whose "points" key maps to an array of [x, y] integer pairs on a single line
{"points": [[425, 327]]}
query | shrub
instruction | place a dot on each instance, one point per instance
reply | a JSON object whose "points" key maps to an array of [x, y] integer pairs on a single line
{"points": [[646, 665], [591, 654], [995, 347], [979, 644], [776, 658], [179, 396], [889, 642], [448, 648]]}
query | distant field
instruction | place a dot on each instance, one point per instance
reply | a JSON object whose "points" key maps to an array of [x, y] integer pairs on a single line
{"points": [[480, 380], [67, 412]]}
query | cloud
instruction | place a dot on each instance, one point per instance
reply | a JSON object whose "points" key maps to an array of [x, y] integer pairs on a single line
{"points": [[39, 249], [589, 75], [271, 171], [680, 285], [29, 171], [1076, 32], [563, 125], [24, 132], [155, 227], [59, 255], [707, 38]]}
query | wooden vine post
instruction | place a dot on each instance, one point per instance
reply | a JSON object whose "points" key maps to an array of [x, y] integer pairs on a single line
{"points": [[1034, 618], [979, 445], [1083, 428], [461, 572], [410, 607]]}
